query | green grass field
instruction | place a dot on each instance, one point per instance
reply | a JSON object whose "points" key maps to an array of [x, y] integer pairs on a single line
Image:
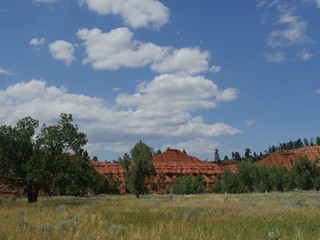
{"points": [[210, 216]]}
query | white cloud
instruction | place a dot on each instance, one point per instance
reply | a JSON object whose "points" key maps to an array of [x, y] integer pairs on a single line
{"points": [[63, 51], [304, 55], [135, 13], [277, 57], [118, 48], [165, 116], [45, 1], [293, 34], [184, 60], [5, 72], [198, 145], [317, 91], [215, 69], [37, 41], [318, 3], [170, 92]]}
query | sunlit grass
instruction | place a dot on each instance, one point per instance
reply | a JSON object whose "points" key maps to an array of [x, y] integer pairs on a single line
{"points": [[210, 216]]}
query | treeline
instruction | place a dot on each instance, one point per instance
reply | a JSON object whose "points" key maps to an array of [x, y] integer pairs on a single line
{"points": [[252, 177], [248, 155], [293, 145]]}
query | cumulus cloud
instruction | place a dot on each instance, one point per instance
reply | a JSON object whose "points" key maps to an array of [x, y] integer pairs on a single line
{"points": [[165, 116], [134, 13], [63, 51], [170, 92], [277, 57], [37, 41], [118, 48], [190, 60], [198, 145], [6, 72]]}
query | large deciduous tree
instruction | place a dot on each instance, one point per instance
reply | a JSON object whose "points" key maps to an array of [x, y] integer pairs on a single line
{"points": [[52, 160]]}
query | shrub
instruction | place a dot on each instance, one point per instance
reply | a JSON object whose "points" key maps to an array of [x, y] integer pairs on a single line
{"points": [[188, 185]]}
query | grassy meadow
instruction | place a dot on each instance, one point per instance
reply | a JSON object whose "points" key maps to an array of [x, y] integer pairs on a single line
{"points": [[293, 215]]}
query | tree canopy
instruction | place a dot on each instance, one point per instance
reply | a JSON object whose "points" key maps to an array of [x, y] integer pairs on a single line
{"points": [[53, 160]]}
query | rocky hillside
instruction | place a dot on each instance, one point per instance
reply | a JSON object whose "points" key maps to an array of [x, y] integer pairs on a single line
{"points": [[287, 158], [169, 165]]}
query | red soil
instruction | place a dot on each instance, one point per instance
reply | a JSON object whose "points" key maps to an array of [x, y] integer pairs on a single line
{"points": [[287, 158]]}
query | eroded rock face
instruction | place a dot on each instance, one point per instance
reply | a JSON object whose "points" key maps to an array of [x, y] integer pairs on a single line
{"points": [[288, 158], [173, 163], [169, 165]]}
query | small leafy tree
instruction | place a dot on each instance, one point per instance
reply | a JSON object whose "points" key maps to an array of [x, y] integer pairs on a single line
{"points": [[231, 182], [304, 173], [247, 173]]}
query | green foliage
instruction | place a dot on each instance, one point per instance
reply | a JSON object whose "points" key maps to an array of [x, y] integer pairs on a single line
{"points": [[304, 173], [277, 174], [141, 167], [247, 173], [53, 160], [188, 185], [263, 179], [217, 158], [231, 183]]}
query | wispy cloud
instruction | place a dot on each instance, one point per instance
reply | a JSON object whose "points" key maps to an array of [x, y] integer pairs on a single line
{"points": [[6, 72], [304, 55], [317, 91], [45, 1], [293, 31], [277, 57], [250, 122], [289, 29]]}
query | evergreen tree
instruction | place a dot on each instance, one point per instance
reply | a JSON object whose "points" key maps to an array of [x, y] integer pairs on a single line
{"points": [[217, 156], [141, 168], [247, 153]]}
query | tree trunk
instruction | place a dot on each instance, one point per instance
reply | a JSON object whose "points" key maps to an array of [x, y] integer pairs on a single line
{"points": [[32, 193]]}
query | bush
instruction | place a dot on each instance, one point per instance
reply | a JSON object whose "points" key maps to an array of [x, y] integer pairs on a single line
{"points": [[188, 185]]}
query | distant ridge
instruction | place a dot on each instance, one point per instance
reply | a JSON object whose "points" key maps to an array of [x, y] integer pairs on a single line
{"points": [[288, 158]]}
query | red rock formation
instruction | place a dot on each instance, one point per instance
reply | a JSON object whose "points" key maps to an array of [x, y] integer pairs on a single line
{"points": [[168, 165], [287, 158], [173, 162]]}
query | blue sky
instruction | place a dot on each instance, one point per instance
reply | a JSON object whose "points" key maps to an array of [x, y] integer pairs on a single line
{"points": [[196, 75]]}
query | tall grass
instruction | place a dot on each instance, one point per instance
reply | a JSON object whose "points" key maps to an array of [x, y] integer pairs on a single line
{"points": [[211, 216]]}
